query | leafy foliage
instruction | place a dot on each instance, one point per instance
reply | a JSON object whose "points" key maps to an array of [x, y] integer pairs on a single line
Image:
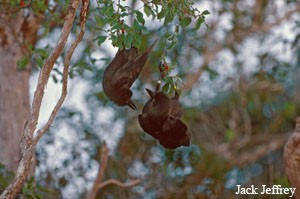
{"points": [[124, 35], [30, 191]]}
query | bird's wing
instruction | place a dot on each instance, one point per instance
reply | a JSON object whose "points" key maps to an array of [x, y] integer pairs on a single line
{"points": [[176, 136], [122, 76], [148, 126]]}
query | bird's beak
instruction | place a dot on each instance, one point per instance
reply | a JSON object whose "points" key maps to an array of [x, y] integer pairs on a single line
{"points": [[150, 92], [132, 105]]}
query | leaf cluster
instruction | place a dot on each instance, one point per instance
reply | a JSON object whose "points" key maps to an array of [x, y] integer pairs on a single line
{"points": [[118, 30], [123, 25]]}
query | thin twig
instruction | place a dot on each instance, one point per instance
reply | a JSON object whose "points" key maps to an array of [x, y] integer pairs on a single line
{"points": [[99, 184], [101, 170], [118, 183]]}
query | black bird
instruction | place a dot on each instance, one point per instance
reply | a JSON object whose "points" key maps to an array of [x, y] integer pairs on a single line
{"points": [[175, 113], [175, 136], [174, 132], [155, 113], [176, 110], [161, 119], [120, 74]]}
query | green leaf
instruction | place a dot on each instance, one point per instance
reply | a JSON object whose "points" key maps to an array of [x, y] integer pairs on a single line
{"points": [[140, 17], [116, 25], [128, 40], [198, 23], [137, 41], [185, 21], [138, 27], [101, 39], [100, 22], [147, 11], [205, 12], [166, 88], [114, 39], [39, 61], [22, 63], [120, 41], [168, 79], [110, 11], [124, 14], [43, 53], [169, 17], [162, 13], [54, 79]]}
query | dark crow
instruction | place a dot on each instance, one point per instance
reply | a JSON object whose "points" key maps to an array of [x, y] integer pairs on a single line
{"points": [[175, 113], [120, 74], [155, 112], [176, 136], [160, 118]]}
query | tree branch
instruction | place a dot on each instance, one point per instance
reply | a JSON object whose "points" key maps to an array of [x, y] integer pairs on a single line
{"points": [[291, 157], [118, 183], [83, 16], [98, 184], [47, 68], [28, 142], [102, 167]]}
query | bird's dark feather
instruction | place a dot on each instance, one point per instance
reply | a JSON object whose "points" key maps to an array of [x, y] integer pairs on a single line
{"points": [[120, 74]]}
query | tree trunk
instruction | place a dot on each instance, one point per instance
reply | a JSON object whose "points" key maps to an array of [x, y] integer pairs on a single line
{"points": [[16, 32], [291, 159]]}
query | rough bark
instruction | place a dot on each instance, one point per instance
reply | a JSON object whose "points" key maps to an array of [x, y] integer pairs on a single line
{"points": [[292, 159], [14, 83], [29, 137]]}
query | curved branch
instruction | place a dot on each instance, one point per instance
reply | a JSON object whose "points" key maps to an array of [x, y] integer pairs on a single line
{"points": [[118, 183], [83, 16], [102, 167], [28, 142], [98, 184]]}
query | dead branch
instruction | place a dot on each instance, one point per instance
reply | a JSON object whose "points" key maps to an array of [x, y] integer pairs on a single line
{"points": [[118, 183], [101, 170], [28, 142], [291, 158], [98, 184]]}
